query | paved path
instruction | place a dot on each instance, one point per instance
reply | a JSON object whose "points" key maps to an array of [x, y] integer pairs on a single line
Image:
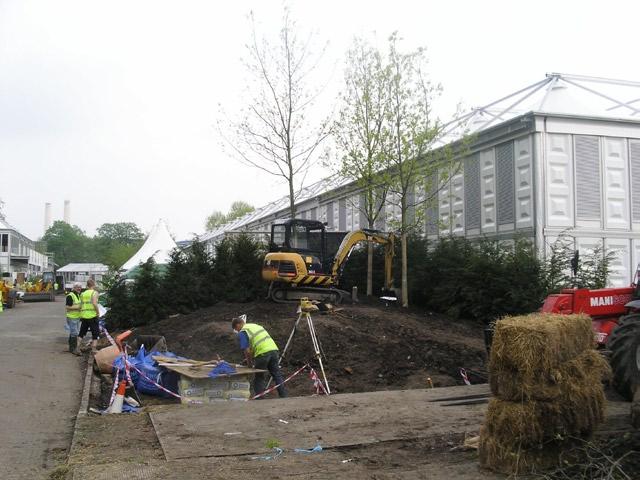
{"points": [[40, 384]]}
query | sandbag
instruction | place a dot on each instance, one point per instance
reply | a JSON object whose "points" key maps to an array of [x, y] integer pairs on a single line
{"points": [[104, 358]]}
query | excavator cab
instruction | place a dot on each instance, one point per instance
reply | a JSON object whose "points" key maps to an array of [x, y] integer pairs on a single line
{"points": [[301, 262], [304, 237]]}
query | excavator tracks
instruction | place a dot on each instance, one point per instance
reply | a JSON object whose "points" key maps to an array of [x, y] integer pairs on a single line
{"points": [[294, 294]]}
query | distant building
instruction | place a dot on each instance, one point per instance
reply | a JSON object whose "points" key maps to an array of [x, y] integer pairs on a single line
{"points": [[81, 272], [561, 156], [183, 244], [19, 258]]}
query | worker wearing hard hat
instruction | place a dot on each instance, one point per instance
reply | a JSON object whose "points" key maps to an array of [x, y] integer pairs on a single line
{"points": [[73, 317], [89, 314], [260, 351]]}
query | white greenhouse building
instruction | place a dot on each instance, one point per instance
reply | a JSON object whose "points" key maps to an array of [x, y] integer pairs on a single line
{"points": [[81, 272], [559, 156]]}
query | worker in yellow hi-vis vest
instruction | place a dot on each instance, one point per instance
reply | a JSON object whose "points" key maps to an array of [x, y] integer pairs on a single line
{"points": [[260, 351], [73, 305], [89, 314]]}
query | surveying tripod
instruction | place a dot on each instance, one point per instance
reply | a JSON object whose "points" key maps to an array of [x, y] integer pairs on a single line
{"points": [[304, 311]]}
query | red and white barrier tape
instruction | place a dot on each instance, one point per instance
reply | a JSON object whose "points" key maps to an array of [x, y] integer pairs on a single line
{"points": [[319, 386], [155, 383], [269, 390], [106, 334], [463, 374], [317, 383], [127, 365], [115, 387]]}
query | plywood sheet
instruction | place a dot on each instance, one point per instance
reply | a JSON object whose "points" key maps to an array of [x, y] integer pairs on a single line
{"points": [[242, 428]]}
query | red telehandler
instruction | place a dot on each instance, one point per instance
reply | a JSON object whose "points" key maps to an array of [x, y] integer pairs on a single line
{"points": [[615, 314]]}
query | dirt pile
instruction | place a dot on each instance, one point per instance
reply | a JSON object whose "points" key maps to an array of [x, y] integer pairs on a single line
{"points": [[367, 348]]}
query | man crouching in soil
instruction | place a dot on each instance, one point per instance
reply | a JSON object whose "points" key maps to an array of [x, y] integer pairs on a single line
{"points": [[260, 351]]}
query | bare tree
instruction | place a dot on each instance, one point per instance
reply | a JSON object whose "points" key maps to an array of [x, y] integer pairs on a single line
{"points": [[359, 133], [274, 132], [416, 161]]}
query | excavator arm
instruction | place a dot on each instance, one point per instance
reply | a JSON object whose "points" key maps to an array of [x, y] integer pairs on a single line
{"points": [[365, 235]]}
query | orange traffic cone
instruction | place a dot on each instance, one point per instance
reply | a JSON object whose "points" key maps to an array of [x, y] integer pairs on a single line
{"points": [[116, 406]]}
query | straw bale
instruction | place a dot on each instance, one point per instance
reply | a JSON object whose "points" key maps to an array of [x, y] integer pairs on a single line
{"points": [[577, 413], [539, 342], [588, 368], [514, 459]]}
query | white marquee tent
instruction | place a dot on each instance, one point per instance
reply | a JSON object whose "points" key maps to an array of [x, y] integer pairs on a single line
{"points": [[158, 245]]}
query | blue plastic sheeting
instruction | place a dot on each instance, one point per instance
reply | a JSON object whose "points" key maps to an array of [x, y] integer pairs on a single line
{"points": [[223, 368], [277, 452], [147, 365], [316, 449]]}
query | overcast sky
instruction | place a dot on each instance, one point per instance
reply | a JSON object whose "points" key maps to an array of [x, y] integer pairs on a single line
{"points": [[113, 105]]}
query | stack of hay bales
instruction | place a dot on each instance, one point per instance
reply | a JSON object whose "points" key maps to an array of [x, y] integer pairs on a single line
{"points": [[546, 378]]}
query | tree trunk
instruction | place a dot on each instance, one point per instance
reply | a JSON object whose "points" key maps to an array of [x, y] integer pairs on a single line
{"points": [[292, 204], [370, 269], [405, 283], [370, 261]]}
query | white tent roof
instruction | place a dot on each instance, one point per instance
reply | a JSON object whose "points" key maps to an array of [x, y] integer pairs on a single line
{"points": [[84, 267], [557, 93], [158, 245]]}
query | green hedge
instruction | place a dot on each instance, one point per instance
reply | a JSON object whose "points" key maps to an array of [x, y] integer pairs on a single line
{"points": [[481, 280], [192, 279]]}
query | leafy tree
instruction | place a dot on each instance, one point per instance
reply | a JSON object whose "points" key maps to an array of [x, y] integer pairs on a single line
{"points": [[114, 256], [273, 132], [126, 233], [115, 243], [239, 209], [68, 243], [414, 161], [216, 219], [593, 267], [557, 271], [360, 135]]}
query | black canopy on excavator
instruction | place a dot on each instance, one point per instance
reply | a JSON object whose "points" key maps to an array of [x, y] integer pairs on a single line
{"points": [[298, 235]]}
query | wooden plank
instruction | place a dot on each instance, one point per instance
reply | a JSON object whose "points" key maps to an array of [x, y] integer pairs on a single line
{"points": [[335, 421], [202, 371], [243, 428]]}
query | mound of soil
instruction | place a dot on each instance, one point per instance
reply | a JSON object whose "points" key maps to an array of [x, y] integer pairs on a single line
{"points": [[366, 348]]}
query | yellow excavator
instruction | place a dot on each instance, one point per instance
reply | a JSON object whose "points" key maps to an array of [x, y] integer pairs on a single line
{"points": [[298, 266]]}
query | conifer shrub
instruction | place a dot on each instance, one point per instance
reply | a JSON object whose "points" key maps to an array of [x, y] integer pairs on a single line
{"points": [[238, 272], [482, 279]]}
